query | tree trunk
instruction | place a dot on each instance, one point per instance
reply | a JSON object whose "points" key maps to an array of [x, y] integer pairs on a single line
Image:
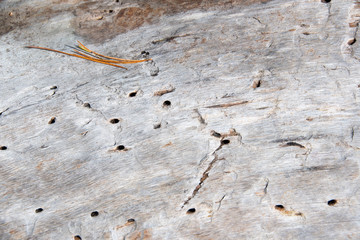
{"points": [[244, 125]]}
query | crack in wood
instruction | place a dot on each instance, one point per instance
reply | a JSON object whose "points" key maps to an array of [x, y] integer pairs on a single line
{"points": [[225, 105], [293, 144], [168, 39], [205, 175], [3, 111], [200, 118], [219, 202]]}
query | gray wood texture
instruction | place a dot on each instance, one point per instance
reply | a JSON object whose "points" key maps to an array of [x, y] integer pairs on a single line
{"points": [[244, 126]]}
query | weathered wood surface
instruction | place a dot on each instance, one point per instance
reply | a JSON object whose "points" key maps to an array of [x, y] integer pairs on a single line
{"points": [[261, 132]]}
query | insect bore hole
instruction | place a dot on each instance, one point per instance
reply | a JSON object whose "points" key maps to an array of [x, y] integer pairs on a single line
{"points": [[166, 103], [191, 210], [114, 120], [225, 141], [77, 237], [279, 207], [3, 148], [132, 94], [39, 210], [52, 120], [94, 214], [351, 41], [120, 147], [87, 105], [332, 202], [325, 1]]}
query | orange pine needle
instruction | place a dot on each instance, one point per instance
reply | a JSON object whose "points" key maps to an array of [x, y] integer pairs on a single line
{"points": [[124, 61], [96, 57], [75, 55]]}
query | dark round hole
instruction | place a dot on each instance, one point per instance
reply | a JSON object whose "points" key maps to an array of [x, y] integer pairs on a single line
{"points": [[167, 103], [120, 147], [87, 105], [332, 202], [191, 210], [39, 210], [111, 11], [94, 214], [77, 237], [3, 147], [53, 87], [117, 1], [132, 94], [114, 121], [279, 207], [325, 1], [225, 141], [131, 220], [52, 120]]}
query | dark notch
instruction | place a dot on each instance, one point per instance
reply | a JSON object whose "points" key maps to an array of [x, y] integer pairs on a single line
{"points": [[294, 144], [114, 120], [279, 207], [332, 202], [39, 210], [191, 210], [52, 120]]}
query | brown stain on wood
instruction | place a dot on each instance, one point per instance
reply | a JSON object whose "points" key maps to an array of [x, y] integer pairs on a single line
{"points": [[101, 20], [286, 212], [167, 145], [165, 91], [40, 164], [141, 235]]}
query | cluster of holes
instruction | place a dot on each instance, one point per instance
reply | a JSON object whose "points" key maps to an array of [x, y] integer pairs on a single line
{"points": [[39, 210], [166, 103], [114, 120], [191, 210], [3, 147]]}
